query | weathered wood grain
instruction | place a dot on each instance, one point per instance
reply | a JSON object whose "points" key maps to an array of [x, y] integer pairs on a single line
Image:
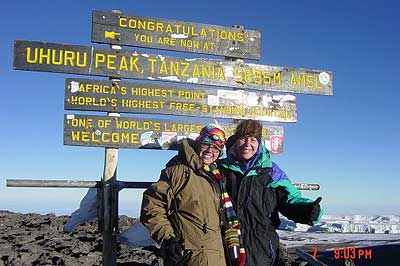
{"points": [[123, 29], [86, 60], [134, 133], [135, 97]]}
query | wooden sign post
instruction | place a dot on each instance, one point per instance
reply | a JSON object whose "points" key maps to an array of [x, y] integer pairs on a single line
{"points": [[109, 203]]}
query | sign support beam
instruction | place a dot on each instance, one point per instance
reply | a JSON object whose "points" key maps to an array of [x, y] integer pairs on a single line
{"points": [[12, 182], [110, 197]]}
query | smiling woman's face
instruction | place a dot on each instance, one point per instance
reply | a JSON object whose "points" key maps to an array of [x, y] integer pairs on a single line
{"points": [[246, 147], [208, 153]]}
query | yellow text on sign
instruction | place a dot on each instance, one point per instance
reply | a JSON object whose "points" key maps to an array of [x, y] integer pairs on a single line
{"points": [[177, 28], [56, 57], [88, 123], [115, 62], [105, 137]]}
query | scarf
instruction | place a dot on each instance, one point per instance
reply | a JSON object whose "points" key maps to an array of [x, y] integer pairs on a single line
{"points": [[232, 237]]}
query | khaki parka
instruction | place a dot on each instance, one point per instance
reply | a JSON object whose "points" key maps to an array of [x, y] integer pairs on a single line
{"points": [[184, 203]]}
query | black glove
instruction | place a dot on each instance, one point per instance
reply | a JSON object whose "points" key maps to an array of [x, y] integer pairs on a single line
{"points": [[172, 251], [314, 210]]}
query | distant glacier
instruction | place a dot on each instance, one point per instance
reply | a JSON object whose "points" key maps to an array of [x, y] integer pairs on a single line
{"points": [[379, 224]]}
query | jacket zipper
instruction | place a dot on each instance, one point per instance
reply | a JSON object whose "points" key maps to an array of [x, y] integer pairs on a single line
{"points": [[271, 248]]}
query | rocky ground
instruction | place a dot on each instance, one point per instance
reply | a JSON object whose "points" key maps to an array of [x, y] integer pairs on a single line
{"points": [[33, 239]]}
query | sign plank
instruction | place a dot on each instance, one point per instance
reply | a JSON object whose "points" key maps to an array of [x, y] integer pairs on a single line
{"points": [[86, 60], [122, 29], [129, 97], [140, 133]]}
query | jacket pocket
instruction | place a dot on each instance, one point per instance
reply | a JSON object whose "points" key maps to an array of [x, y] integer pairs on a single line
{"points": [[198, 258], [198, 230]]}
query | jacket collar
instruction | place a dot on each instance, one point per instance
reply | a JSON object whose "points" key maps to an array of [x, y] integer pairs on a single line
{"points": [[187, 154], [231, 163]]}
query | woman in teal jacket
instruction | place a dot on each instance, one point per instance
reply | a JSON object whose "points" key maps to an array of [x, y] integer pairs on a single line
{"points": [[257, 197]]}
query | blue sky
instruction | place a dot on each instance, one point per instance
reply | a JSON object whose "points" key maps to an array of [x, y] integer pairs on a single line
{"points": [[348, 142]]}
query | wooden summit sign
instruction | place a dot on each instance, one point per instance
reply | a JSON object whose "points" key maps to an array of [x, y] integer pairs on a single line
{"points": [[128, 132], [129, 97], [86, 60], [121, 29]]}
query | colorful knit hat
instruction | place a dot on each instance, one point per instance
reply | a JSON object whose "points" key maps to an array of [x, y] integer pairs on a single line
{"points": [[212, 134]]}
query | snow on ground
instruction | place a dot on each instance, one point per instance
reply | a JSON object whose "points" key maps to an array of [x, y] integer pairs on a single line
{"points": [[294, 239], [343, 230], [378, 224]]}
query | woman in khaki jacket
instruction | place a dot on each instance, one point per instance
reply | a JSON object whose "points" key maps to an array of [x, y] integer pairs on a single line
{"points": [[182, 209]]}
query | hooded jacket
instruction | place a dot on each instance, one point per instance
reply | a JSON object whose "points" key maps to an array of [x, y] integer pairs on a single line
{"points": [[185, 204], [257, 198]]}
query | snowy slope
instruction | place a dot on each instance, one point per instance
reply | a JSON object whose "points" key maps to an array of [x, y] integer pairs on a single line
{"points": [[388, 224]]}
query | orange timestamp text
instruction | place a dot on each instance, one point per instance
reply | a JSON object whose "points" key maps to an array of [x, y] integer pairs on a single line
{"points": [[349, 253]]}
